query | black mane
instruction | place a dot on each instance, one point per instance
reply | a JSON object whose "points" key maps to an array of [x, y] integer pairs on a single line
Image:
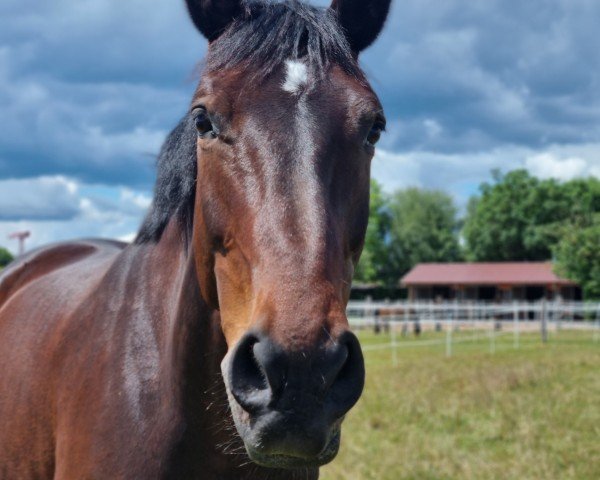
{"points": [[260, 41], [174, 190]]}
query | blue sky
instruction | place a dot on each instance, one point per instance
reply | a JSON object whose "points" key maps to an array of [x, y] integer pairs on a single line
{"points": [[88, 91]]}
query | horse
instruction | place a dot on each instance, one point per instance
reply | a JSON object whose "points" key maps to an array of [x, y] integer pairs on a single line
{"points": [[216, 344]]}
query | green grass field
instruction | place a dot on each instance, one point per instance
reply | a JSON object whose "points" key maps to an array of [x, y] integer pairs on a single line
{"points": [[530, 413]]}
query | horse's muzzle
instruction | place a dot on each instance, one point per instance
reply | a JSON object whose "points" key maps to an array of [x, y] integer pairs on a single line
{"points": [[288, 405]]}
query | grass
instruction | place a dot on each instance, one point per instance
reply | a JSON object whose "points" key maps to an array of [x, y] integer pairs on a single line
{"points": [[530, 413]]}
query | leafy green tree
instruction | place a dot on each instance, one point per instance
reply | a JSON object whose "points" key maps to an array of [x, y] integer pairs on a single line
{"points": [[374, 255], [583, 196], [519, 217], [578, 257], [497, 220], [423, 228], [5, 257]]}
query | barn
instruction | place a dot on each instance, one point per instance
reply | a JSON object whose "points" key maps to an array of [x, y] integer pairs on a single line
{"points": [[496, 281]]}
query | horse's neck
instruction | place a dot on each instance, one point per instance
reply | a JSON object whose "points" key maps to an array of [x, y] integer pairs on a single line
{"points": [[209, 446], [186, 332]]}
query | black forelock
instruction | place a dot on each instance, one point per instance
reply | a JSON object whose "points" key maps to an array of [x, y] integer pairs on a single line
{"points": [[269, 33], [259, 42]]}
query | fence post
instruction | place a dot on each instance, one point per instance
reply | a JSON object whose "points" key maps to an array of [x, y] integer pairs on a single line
{"points": [[367, 314], [515, 325], [597, 331], [406, 315], [394, 351], [449, 336], [544, 321], [492, 334]]}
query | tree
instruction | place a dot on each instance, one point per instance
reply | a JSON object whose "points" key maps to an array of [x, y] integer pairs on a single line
{"points": [[497, 220], [374, 255], [519, 217], [578, 257], [423, 228], [5, 257]]}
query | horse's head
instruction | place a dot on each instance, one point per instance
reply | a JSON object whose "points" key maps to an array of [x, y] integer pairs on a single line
{"points": [[287, 125]]}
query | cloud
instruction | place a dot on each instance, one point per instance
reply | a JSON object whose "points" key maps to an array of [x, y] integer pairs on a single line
{"points": [[462, 173], [59, 208], [395, 171], [548, 165], [42, 198], [89, 90], [100, 41], [95, 138], [489, 74], [136, 199], [128, 237]]}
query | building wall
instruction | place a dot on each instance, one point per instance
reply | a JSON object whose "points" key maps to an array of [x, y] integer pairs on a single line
{"points": [[493, 293]]}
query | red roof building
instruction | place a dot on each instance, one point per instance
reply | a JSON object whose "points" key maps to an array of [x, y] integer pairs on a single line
{"points": [[488, 281]]}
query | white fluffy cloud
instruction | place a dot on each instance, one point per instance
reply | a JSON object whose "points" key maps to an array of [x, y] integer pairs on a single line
{"points": [[48, 198], [461, 173], [395, 170], [549, 165], [490, 74], [88, 91], [59, 208]]}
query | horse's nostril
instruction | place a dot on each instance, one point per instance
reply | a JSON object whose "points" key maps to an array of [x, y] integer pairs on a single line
{"points": [[249, 385], [348, 384], [257, 372], [265, 376]]}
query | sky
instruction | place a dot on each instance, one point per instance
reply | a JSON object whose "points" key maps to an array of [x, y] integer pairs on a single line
{"points": [[89, 90]]}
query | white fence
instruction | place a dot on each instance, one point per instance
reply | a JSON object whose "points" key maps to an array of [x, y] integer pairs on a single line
{"points": [[491, 319]]}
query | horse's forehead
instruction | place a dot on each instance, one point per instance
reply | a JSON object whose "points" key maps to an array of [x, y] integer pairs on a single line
{"points": [[293, 79]]}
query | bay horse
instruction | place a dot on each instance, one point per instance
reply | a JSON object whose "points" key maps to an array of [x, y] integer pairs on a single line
{"points": [[216, 345]]}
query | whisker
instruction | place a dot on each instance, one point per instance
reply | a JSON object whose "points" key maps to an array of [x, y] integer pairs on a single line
{"points": [[329, 335]]}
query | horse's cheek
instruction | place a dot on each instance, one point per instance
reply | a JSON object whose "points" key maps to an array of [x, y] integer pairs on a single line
{"points": [[235, 298]]}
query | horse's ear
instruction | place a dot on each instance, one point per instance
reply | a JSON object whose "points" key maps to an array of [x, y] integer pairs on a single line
{"points": [[362, 20], [212, 17]]}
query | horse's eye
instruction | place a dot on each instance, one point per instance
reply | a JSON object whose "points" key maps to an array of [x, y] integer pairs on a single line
{"points": [[203, 123], [375, 133]]}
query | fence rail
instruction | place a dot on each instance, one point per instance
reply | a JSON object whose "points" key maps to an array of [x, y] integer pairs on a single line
{"points": [[508, 318]]}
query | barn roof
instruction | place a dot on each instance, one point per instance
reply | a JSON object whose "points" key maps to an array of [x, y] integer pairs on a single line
{"points": [[498, 273]]}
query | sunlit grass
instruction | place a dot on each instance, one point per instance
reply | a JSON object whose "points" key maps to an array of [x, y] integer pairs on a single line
{"points": [[527, 413]]}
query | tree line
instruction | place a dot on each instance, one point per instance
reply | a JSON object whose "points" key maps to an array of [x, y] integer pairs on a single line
{"points": [[514, 217]]}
